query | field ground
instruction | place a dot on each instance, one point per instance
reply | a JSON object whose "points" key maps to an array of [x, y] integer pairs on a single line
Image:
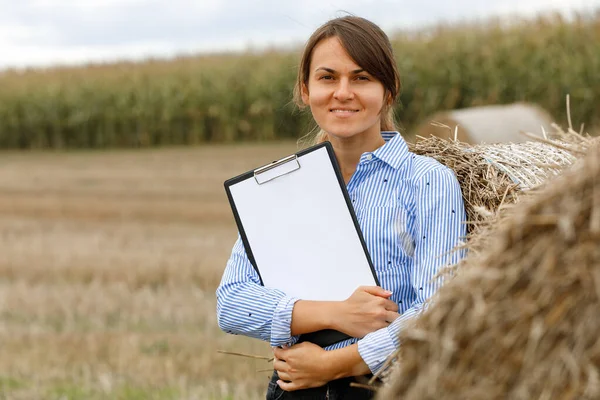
{"points": [[108, 266]]}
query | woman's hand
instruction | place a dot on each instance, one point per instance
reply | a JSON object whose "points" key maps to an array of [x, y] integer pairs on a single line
{"points": [[302, 366], [368, 309], [306, 365]]}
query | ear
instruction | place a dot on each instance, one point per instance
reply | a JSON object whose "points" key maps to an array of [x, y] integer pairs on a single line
{"points": [[304, 94], [388, 98]]}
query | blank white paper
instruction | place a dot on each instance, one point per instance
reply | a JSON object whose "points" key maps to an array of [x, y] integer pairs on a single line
{"points": [[301, 232]]}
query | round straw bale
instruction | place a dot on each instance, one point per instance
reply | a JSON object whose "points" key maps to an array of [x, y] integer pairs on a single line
{"points": [[487, 124], [521, 319], [491, 175]]}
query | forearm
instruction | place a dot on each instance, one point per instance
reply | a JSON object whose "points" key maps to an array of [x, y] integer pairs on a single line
{"points": [[366, 310], [346, 362], [312, 316], [245, 307]]}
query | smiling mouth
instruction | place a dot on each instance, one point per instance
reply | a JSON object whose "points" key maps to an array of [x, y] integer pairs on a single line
{"points": [[340, 110]]}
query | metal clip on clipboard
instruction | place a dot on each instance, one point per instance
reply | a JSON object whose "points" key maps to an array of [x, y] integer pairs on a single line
{"points": [[276, 169]]}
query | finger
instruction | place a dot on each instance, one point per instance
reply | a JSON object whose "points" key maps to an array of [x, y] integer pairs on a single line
{"points": [[281, 366], [391, 305], [287, 386], [279, 353], [377, 291], [391, 316], [284, 376]]}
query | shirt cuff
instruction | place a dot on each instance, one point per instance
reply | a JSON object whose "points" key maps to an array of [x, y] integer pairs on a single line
{"points": [[376, 347], [281, 325]]}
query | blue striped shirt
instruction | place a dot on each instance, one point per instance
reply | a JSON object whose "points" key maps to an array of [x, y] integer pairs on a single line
{"points": [[411, 213]]}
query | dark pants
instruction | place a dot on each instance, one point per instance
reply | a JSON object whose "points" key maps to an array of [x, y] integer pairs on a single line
{"points": [[335, 390]]}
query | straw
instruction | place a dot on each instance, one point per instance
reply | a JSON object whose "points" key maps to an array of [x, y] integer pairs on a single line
{"points": [[521, 319]]}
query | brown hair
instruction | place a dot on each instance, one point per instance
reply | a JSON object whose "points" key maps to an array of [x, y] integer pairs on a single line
{"points": [[369, 47]]}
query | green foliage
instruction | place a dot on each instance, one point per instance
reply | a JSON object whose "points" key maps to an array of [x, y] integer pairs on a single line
{"points": [[538, 61], [248, 97]]}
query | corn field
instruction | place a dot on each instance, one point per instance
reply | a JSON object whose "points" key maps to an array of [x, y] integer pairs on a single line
{"points": [[248, 96]]}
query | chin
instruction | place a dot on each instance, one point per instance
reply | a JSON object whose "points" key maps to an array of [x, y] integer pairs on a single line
{"points": [[341, 133], [349, 129], [338, 130]]}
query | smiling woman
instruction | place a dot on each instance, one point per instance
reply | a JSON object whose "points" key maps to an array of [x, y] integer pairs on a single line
{"points": [[344, 99], [409, 208], [341, 74]]}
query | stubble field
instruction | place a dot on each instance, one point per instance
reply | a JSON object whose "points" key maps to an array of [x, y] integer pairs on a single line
{"points": [[109, 263]]}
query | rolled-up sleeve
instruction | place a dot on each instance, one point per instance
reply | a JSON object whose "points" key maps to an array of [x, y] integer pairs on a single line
{"points": [[245, 307], [439, 228]]}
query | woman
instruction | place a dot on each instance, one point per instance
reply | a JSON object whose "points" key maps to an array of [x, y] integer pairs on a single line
{"points": [[409, 207]]}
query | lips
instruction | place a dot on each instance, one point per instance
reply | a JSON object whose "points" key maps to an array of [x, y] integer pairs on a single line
{"points": [[342, 110]]}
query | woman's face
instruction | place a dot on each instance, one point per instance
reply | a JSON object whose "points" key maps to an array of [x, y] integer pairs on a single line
{"points": [[344, 100]]}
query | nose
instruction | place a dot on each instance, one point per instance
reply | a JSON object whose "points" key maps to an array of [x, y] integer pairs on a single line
{"points": [[343, 90]]}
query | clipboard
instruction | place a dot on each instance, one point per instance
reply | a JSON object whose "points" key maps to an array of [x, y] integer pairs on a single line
{"points": [[299, 230]]}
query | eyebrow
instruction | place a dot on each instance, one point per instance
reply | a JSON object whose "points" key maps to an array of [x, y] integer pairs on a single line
{"points": [[332, 71]]}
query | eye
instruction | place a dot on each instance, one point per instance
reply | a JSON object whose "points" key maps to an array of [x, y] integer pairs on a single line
{"points": [[362, 78], [326, 78]]}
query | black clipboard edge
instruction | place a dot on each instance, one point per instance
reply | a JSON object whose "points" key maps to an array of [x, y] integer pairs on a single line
{"points": [[325, 337], [238, 221], [249, 175]]}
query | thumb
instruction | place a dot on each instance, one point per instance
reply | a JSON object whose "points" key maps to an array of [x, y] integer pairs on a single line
{"points": [[286, 386], [377, 291]]}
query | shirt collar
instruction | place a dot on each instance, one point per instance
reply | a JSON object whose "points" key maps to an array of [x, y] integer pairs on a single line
{"points": [[395, 150]]}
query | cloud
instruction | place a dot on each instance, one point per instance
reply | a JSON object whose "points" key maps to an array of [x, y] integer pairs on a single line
{"points": [[63, 30], [73, 23]]}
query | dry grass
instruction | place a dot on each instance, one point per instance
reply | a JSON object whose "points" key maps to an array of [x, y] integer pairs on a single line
{"points": [[494, 175], [520, 320], [108, 266]]}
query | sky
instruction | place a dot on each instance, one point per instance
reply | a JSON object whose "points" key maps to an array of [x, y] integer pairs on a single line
{"points": [[66, 32]]}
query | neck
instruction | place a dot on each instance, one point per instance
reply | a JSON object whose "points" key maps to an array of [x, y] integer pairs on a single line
{"points": [[349, 150]]}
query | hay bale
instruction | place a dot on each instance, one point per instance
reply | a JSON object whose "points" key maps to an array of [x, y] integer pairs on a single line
{"points": [[487, 124], [493, 175], [521, 320]]}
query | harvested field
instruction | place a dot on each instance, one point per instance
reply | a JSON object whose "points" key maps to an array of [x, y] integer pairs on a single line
{"points": [[108, 266]]}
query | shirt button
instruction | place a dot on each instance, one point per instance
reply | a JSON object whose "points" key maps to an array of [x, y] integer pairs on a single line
{"points": [[369, 157]]}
